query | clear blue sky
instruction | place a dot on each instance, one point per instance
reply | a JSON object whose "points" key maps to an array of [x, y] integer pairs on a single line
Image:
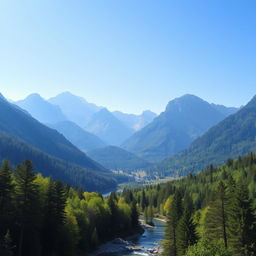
{"points": [[129, 55]]}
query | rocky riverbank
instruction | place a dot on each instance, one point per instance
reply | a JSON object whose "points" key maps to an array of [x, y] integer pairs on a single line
{"points": [[130, 245]]}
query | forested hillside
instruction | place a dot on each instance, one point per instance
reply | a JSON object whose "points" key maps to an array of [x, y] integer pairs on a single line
{"points": [[211, 213], [16, 151], [184, 119], [234, 136], [17, 123], [41, 217]]}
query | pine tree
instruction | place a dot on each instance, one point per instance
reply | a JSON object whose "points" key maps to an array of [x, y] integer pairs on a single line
{"points": [[6, 197], [216, 217], [242, 222], [27, 208], [134, 215], [186, 230], [173, 217], [54, 217]]}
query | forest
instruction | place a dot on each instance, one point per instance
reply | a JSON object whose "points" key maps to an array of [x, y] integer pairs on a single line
{"points": [[211, 213], [39, 216]]}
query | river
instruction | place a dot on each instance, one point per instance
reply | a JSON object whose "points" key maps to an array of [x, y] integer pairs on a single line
{"points": [[148, 240]]}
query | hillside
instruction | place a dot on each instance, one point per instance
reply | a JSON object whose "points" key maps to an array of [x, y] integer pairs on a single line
{"points": [[108, 128], [17, 123], [184, 120], [117, 159], [82, 139], [234, 136], [205, 204], [41, 110], [17, 150]]}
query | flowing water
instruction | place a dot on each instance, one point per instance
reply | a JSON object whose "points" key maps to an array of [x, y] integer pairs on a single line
{"points": [[149, 239]]}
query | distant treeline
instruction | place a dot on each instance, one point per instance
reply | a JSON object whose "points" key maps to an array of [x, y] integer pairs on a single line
{"points": [[209, 214], [39, 216]]}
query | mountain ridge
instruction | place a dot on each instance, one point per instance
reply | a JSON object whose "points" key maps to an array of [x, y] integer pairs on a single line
{"points": [[234, 136], [183, 120]]}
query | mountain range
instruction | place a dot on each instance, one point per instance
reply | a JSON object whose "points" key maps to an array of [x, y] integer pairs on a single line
{"points": [[235, 136], [41, 110], [23, 137], [111, 127], [184, 119], [190, 134]]}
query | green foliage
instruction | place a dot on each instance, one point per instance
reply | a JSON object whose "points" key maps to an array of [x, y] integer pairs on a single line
{"points": [[217, 204], [217, 214], [48, 218], [206, 247], [173, 218], [23, 137], [186, 232]]}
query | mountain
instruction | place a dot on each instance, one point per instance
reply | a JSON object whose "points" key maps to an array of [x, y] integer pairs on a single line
{"points": [[82, 139], [16, 122], [234, 136], [226, 111], [118, 159], [41, 110], [135, 122], [17, 150], [75, 108], [184, 120], [107, 127]]}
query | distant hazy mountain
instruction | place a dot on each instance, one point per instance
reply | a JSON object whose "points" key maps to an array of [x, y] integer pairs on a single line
{"points": [[234, 136], [75, 108], [184, 119], [135, 122], [117, 159], [107, 127], [17, 123], [82, 139], [23, 137], [225, 110], [41, 110]]}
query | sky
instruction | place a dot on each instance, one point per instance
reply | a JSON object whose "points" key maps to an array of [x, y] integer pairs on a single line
{"points": [[129, 55]]}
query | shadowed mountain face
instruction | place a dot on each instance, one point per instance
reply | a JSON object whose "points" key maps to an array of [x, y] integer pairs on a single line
{"points": [[16, 122], [135, 122], [41, 110], [117, 159], [23, 137], [75, 108], [234, 136], [108, 128], [17, 150], [82, 139], [226, 111], [185, 119]]}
